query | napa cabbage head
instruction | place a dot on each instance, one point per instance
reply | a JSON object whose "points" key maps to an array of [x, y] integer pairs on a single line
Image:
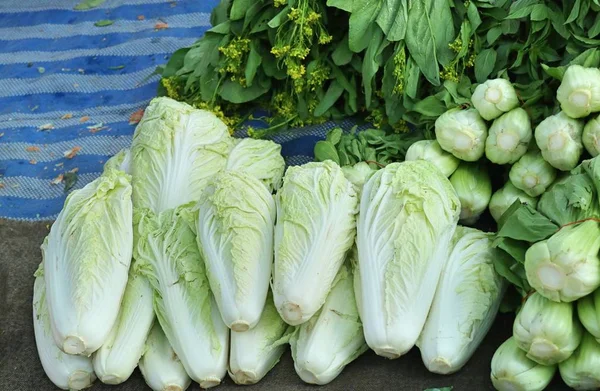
{"points": [[120, 161], [161, 368], [549, 332], [175, 150], [87, 256], [316, 226], [168, 256], [256, 351], [260, 158], [408, 214], [512, 370], [358, 174], [333, 338], [236, 215], [466, 302], [66, 371], [431, 151]]}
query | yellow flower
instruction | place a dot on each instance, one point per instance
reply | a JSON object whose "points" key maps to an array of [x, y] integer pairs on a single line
{"points": [[172, 87], [324, 38], [279, 3]]}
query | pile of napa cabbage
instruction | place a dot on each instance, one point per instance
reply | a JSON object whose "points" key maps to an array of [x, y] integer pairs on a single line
{"points": [[196, 254]]}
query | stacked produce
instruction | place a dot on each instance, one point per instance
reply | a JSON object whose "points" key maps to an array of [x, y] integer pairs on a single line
{"points": [[165, 262], [196, 254]]}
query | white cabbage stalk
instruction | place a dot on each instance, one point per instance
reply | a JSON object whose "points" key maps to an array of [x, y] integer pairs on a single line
{"points": [[87, 256], [116, 360], [579, 91], [591, 136], [547, 331], [532, 174], [462, 133], [503, 198], [333, 338], [494, 97], [121, 161], [465, 305], [566, 266], [259, 158], [580, 371], [509, 137], [235, 237], [408, 214], [358, 174], [316, 226], [175, 150], [431, 151], [255, 352], [588, 310], [160, 366], [559, 139], [169, 257], [66, 371], [512, 370], [473, 187]]}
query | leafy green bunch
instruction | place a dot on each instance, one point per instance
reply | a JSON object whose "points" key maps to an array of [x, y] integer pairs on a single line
{"points": [[391, 62]]}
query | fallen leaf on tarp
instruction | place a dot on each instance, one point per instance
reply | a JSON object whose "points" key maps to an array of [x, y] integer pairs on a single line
{"points": [[141, 17], [33, 161], [83, 119], [67, 116], [103, 23], [2, 185], [1, 134], [117, 67], [136, 117], [71, 153], [34, 108], [59, 164], [70, 180], [161, 26], [57, 180], [98, 125], [32, 149], [75, 170], [88, 4], [41, 69], [81, 70], [48, 126]]}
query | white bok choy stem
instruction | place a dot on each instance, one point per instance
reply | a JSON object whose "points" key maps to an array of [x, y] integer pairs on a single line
{"points": [[116, 360], [169, 257], [465, 305], [333, 338], [253, 353], [87, 256], [236, 215], [160, 365], [408, 214], [66, 371]]}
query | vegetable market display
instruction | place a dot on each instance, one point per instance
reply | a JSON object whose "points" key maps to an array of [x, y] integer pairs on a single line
{"points": [[197, 254]]}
